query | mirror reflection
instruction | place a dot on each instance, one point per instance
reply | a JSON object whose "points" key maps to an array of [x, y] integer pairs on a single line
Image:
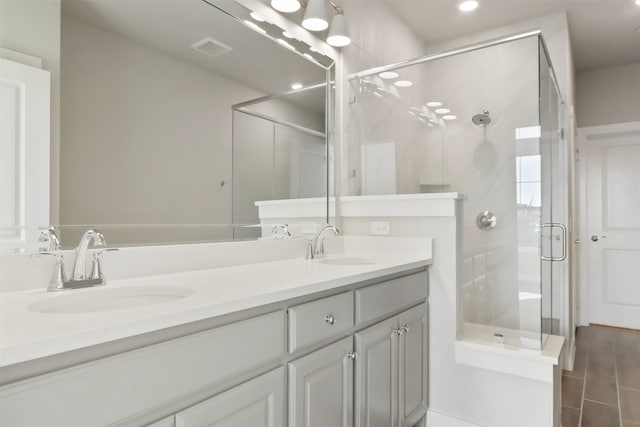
{"points": [[147, 120]]}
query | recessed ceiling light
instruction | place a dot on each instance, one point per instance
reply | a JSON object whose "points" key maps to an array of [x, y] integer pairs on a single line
{"points": [[449, 117], [389, 75], [287, 34], [467, 5], [403, 83], [434, 104], [286, 6], [257, 17], [255, 26], [296, 86], [443, 111]]}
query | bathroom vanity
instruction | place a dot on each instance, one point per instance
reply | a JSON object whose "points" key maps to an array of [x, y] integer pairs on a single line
{"points": [[335, 341]]}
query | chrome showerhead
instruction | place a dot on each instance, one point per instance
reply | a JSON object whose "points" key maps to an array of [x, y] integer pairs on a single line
{"points": [[482, 118]]}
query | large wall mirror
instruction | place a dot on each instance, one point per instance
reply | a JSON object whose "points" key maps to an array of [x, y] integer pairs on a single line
{"points": [[169, 109]]}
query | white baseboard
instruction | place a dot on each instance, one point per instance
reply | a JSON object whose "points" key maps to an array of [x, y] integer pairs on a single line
{"points": [[437, 419]]}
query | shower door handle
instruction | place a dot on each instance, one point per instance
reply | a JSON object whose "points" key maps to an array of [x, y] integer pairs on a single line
{"points": [[562, 227]]}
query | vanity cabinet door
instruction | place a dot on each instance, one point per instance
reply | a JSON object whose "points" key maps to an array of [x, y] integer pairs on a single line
{"points": [[412, 358], [256, 403], [377, 375], [321, 387]]}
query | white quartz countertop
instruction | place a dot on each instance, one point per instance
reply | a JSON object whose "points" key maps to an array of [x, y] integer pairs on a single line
{"points": [[27, 334]]}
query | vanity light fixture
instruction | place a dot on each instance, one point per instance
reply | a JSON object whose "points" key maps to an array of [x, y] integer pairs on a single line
{"points": [[338, 34], [315, 18], [403, 83], [434, 104], [388, 75], [296, 86], [285, 6], [443, 111], [467, 5]]}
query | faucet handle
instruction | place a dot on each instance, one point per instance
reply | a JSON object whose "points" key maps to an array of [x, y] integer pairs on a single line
{"points": [[309, 254], [96, 270]]}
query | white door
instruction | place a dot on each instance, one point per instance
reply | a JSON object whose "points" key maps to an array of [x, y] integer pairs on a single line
{"points": [[24, 154], [612, 237]]}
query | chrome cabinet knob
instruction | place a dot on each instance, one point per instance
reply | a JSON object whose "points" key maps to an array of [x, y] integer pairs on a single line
{"points": [[404, 328], [398, 331], [595, 238], [352, 355], [330, 319]]}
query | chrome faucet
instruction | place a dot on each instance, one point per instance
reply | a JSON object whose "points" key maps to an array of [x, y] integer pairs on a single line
{"points": [[316, 246], [281, 231], [80, 267]]}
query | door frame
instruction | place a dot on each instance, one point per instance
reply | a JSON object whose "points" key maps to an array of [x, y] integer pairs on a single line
{"points": [[581, 234]]}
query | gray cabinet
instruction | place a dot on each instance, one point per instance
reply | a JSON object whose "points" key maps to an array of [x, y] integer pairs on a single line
{"points": [[321, 387], [391, 371], [256, 403], [412, 365]]}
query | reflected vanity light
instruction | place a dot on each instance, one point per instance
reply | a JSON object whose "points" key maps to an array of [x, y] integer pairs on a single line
{"points": [[443, 111], [287, 34], [403, 83], [285, 44], [434, 104], [388, 75], [257, 17], [449, 117], [306, 55], [286, 6], [255, 26], [296, 86]]}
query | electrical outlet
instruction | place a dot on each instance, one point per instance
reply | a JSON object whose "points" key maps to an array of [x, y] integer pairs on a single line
{"points": [[380, 228]]}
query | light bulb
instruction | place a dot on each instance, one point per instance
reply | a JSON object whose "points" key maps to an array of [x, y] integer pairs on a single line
{"points": [[286, 6]]}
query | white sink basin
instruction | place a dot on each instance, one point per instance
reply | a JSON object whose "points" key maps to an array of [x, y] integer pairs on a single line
{"points": [[107, 299], [347, 261]]}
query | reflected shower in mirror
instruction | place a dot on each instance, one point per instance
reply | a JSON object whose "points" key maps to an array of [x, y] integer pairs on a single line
{"points": [[147, 89]]}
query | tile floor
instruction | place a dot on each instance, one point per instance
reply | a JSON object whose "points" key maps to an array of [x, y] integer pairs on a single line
{"points": [[603, 390]]}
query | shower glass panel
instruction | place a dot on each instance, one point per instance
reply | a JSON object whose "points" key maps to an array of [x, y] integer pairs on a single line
{"points": [[472, 123]]}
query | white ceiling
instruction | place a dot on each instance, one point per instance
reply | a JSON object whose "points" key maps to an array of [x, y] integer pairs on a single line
{"points": [[172, 26], [602, 31]]}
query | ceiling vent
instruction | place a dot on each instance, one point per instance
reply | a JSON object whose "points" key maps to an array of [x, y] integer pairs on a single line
{"points": [[211, 47]]}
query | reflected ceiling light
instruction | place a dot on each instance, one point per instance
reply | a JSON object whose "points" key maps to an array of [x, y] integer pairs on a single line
{"points": [[315, 17], [257, 17], [296, 86], [449, 117], [467, 5], [287, 34], [442, 111], [255, 26], [638, 2], [388, 75], [286, 6], [338, 34], [434, 104], [306, 55], [403, 83]]}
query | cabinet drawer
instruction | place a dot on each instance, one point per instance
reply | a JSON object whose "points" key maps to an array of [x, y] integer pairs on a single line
{"points": [[140, 380], [374, 302], [318, 320]]}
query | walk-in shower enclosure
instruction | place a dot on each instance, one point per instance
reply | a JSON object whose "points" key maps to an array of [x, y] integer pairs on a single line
{"points": [[482, 121]]}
